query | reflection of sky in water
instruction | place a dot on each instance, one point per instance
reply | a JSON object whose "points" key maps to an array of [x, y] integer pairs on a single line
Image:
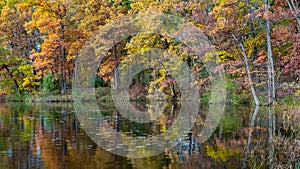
{"points": [[50, 136]]}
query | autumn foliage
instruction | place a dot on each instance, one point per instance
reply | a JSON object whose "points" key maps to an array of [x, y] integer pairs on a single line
{"points": [[41, 37]]}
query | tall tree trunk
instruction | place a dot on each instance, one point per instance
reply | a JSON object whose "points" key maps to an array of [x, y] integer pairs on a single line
{"points": [[64, 84], [116, 74], [63, 59], [271, 72], [63, 72], [75, 72], [256, 100]]}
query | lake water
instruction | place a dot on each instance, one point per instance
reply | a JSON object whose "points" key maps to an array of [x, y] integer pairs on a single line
{"points": [[49, 135]]}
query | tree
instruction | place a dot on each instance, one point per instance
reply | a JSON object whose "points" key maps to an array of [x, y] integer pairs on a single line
{"points": [[271, 72], [232, 33], [61, 38], [17, 45]]}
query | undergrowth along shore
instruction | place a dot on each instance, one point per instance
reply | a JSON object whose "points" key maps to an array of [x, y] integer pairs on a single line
{"points": [[103, 94]]}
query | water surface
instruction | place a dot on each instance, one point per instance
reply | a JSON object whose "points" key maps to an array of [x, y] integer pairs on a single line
{"points": [[49, 135]]}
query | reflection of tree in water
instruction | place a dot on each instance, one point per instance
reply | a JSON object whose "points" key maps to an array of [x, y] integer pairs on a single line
{"points": [[216, 152], [50, 136], [49, 139], [222, 150]]}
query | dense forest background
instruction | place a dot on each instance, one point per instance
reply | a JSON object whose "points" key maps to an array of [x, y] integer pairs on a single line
{"points": [[258, 42]]}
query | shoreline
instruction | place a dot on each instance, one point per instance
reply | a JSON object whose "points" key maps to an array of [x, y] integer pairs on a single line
{"points": [[104, 95]]}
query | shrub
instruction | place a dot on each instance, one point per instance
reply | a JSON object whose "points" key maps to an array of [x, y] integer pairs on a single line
{"points": [[50, 84]]}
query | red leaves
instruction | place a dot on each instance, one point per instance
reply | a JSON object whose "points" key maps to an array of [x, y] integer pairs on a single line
{"points": [[268, 15], [261, 57], [167, 81]]}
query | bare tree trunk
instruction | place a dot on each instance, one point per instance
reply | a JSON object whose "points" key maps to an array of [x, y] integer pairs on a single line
{"points": [[271, 88], [116, 74], [63, 76], [271, 72], [256, 100], [63, 83], [63, 59]]}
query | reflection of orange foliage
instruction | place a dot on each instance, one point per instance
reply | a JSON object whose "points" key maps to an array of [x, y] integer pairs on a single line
{"points": [[3, 108], [74, 156], [47, 150]]}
